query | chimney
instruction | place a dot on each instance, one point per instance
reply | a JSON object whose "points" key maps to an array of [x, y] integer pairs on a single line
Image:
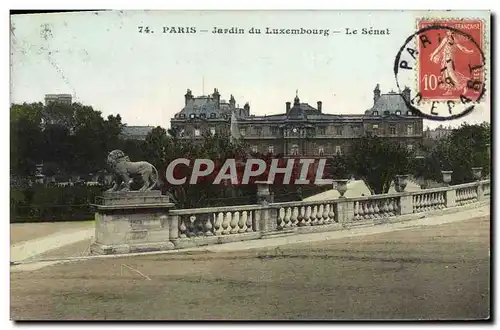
{"points": [[288, 105], [247, 108], [406, 94], [376, 94], [188, 96], [216, 97], [232, 101], [320, 106]]}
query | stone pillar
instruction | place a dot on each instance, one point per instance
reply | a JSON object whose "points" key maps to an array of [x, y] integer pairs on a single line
{"points": [[406, 204], [267, 219], [128, 222], [480, 191], [451, 197], [345, 211]]}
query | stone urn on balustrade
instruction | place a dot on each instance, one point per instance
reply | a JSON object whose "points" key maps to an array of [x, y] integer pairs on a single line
{"points": [[477, 173], [341, 186], [400, 182], [447, 176]]}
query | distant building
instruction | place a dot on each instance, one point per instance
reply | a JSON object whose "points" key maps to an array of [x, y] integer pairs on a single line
{"points": [[136, 132], [58, 98], [301, 130], [437, 133]]}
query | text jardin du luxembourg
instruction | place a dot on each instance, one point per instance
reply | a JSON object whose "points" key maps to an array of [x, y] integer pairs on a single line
{"points": [[300, 31]]}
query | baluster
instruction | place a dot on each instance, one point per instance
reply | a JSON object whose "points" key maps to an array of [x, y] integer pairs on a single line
{"points": [[431, 201], [356, 210], [384, 208], [281, 218], [331, 213], [295, 215], [371, 210], [218, 223], [300, 217], [182, 228], [234, 222], [243, 222], [319, 216], [191, 229], [366, 209], [314, 220], [426, 202], [208, 225], [308, 216], [225, 224], [326, 211], [376, 209], [249, 224], [419, 203], [288, 217]]}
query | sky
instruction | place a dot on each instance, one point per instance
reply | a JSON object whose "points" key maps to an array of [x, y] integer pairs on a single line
{"points": [[102, 60]]}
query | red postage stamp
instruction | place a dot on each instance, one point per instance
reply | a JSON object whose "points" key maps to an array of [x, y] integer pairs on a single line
{"points": [[450, 60]]}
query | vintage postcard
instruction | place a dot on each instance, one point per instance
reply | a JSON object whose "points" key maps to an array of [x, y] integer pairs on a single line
{"points": [[250, 165]]}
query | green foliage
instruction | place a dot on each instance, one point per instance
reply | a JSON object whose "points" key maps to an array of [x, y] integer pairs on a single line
{"points": [[377, 161], [466, 147], [41, 203]]}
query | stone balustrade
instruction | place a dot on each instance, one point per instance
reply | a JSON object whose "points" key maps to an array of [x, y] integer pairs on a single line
{"points": [[183, 228]]}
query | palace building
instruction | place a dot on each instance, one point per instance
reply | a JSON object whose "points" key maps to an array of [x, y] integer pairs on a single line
{"points": [[301, 130]]}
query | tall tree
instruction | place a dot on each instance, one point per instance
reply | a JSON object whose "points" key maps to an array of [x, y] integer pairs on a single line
{"points": [[378, 160]]}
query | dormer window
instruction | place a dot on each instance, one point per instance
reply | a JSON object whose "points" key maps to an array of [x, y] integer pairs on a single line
{"points": [[387, 113], [192, 116], [375, 113], [212, 115], [398, 113], [203, 116], [408, 113], [182, 115]]}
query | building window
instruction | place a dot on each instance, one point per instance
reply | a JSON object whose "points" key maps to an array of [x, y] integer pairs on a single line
{"points": [[322, 130], [392, 129], [255, 149], [212, 115], [191, 116], [375, 126], [271, 149], [338, 150], [181, 132], [203, 116], [398, 113], [375, 113], [321, 150], [408, 113], [410, 147], [243, 131], [196, 132], [182, 115], [274, 130], [295, 150], [387, 113], [338, 130], [212, 130], [409, 129], [258, 131]]}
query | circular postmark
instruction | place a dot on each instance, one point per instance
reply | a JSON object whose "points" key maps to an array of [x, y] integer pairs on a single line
{"points": [[446, 68]]}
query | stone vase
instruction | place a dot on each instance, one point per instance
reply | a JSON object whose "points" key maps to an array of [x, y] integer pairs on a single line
{"points": [[446, 176], [477, 173], [400, 182], [341, 186]]}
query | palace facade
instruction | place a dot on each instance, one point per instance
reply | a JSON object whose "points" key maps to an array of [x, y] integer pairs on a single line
{"points": [[301, 130]]}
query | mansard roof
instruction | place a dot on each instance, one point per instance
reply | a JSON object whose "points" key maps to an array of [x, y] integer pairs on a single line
{"points": [[391, 102]]}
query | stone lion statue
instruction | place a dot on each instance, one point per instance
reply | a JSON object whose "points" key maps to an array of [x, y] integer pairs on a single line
{"points": [[124, 170]]}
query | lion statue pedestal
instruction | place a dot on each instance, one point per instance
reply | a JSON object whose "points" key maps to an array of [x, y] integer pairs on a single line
{"points": [[133, 221]]}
